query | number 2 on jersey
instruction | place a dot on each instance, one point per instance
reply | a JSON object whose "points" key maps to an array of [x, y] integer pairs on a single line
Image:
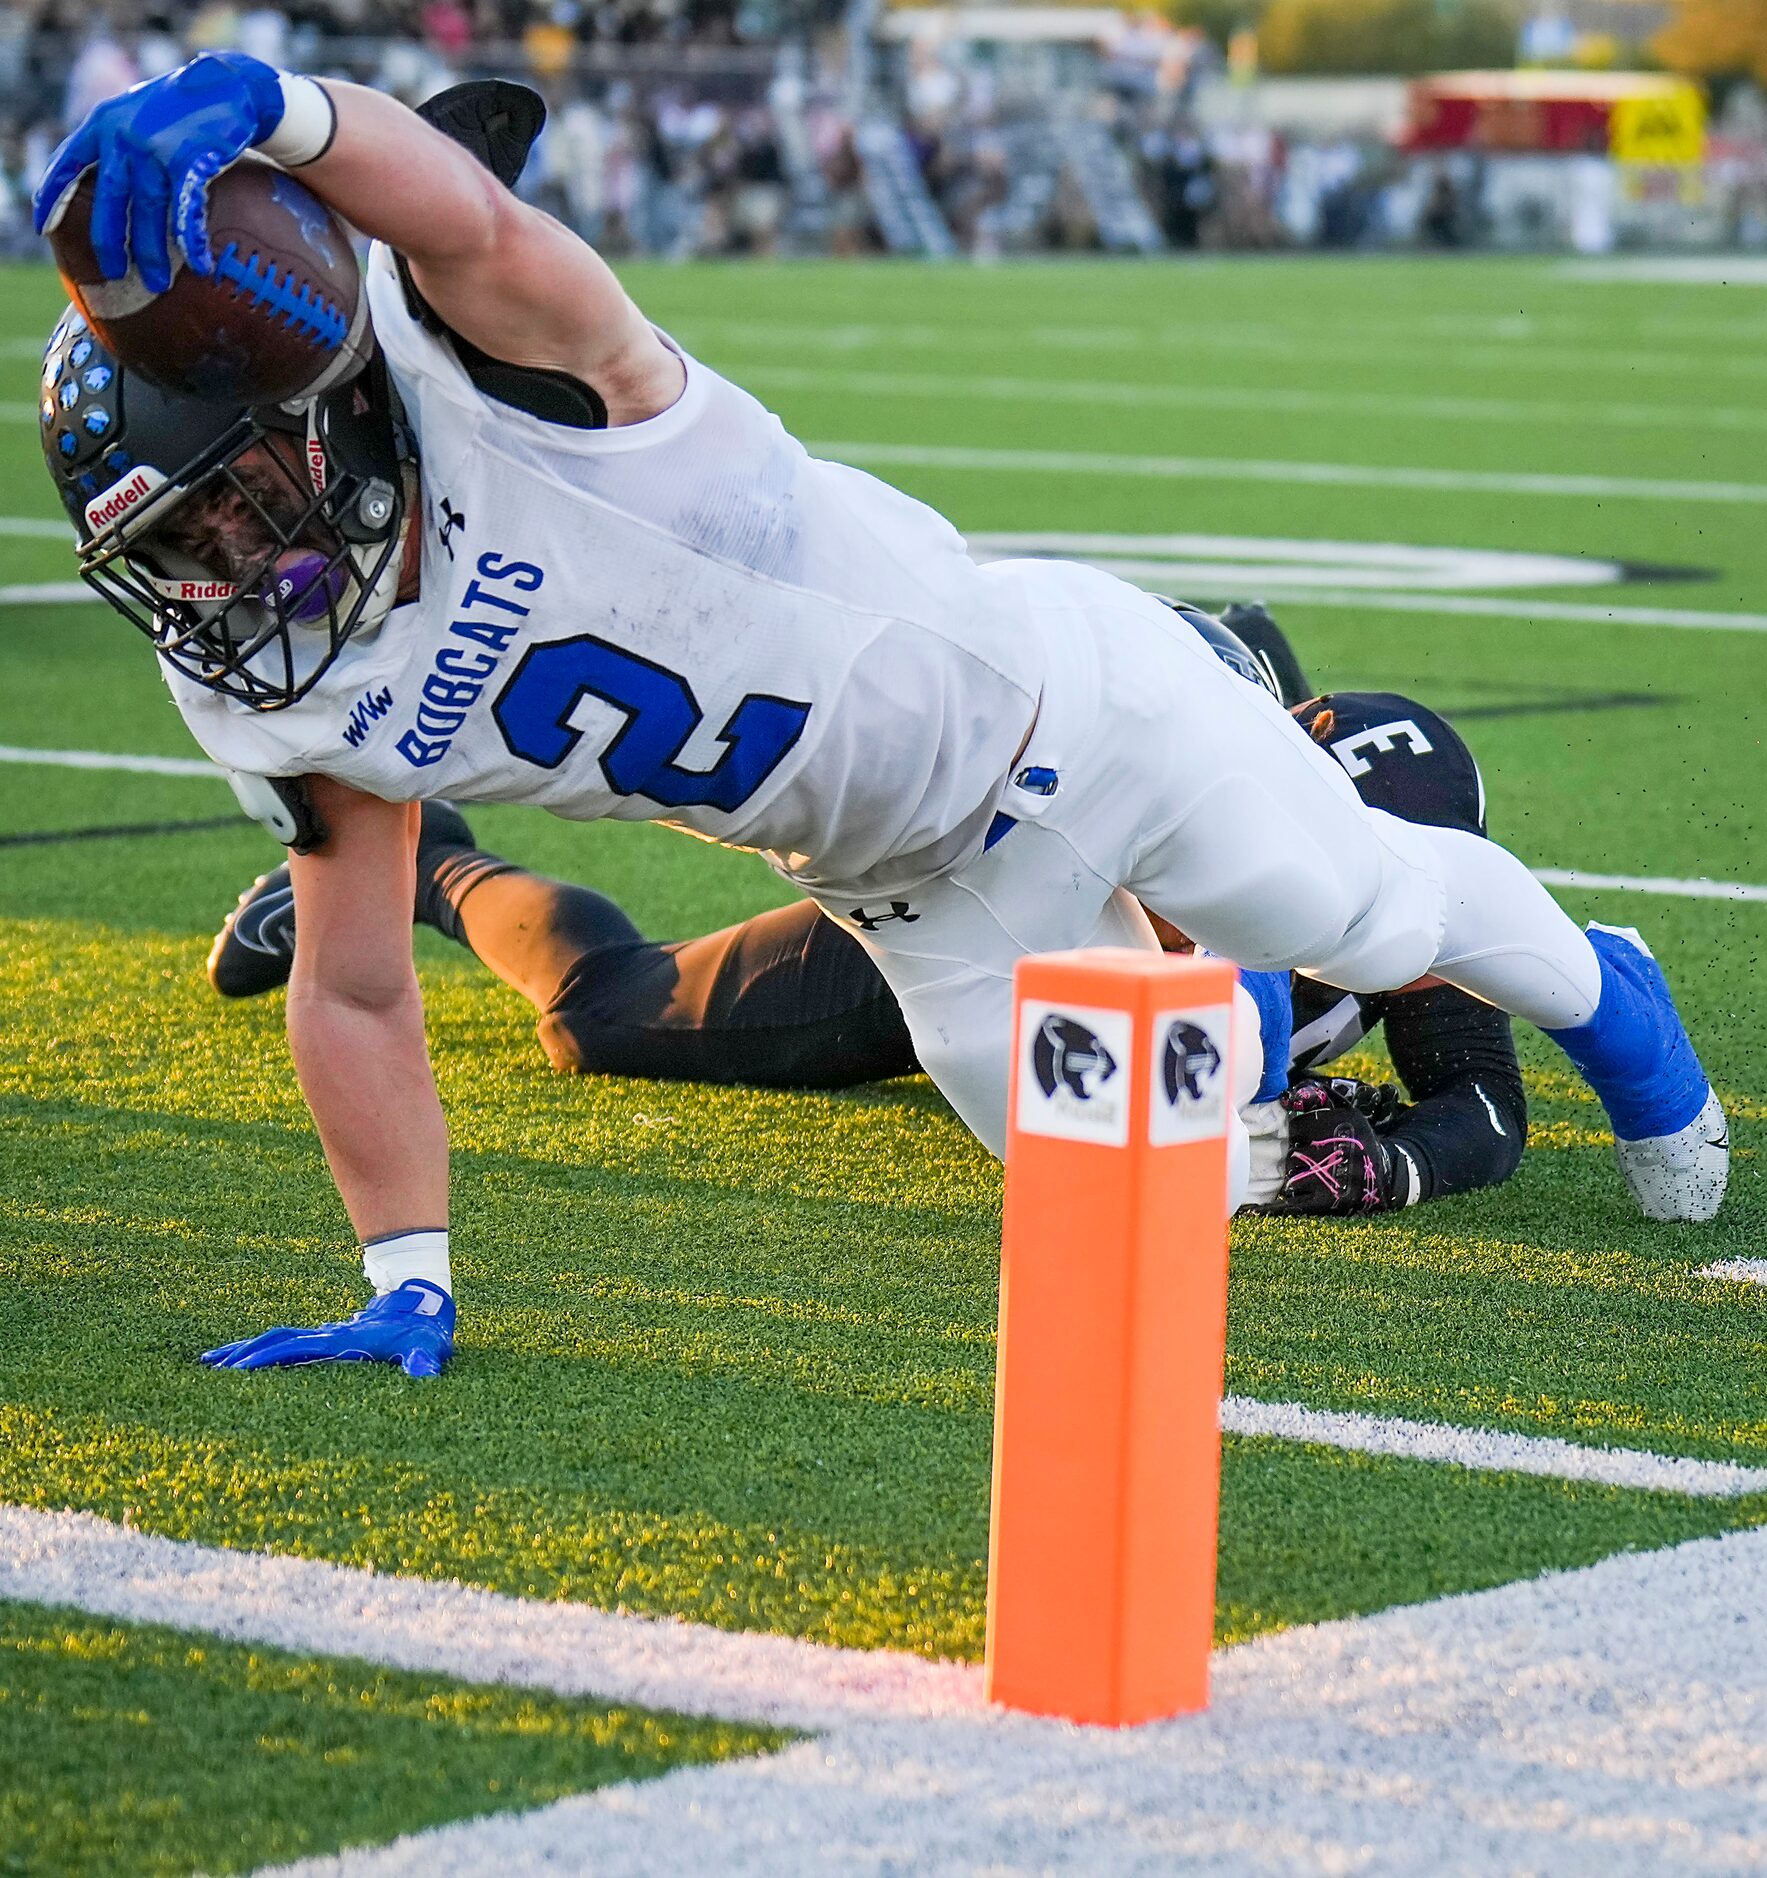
{"points": [[534, 708]]}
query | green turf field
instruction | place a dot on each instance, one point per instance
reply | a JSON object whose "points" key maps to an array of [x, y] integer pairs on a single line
{"points": [[221, 1758], [730, 1356]]}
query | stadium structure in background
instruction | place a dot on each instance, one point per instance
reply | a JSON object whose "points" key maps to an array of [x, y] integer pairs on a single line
{"points": [[709, 127]]}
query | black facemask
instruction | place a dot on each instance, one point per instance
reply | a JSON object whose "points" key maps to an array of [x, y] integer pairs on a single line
{"points": [[249, 546]]}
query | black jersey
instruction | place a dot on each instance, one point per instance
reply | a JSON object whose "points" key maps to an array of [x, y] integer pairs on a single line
{"points": [[1455, 1055]]}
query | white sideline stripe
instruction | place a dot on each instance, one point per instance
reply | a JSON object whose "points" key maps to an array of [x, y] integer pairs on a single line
{"points": [[1607, 1721], [102, 759], [1492, 1452], [1550, 876], [1646, 883], [1264, 470], [422, 1624], [1738, 1271]]}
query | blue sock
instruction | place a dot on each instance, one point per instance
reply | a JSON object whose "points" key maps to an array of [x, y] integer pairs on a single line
{"points": [[1634, 1052], [1272, 994]]}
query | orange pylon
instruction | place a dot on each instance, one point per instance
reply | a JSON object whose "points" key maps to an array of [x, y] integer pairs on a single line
{"points": [[1113, 1308]]}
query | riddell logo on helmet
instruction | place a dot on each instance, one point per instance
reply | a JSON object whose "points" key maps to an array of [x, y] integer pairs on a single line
{"points": [[316, 465], [120, 498], [192, 589]]}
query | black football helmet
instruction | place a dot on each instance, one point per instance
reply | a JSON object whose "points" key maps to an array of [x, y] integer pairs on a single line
{"points": [[326, 505], [1250, 621], [1229, 648]]}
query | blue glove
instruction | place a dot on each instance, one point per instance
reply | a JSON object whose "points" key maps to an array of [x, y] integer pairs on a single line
{"points": [[158, 146], [412, 1326]]}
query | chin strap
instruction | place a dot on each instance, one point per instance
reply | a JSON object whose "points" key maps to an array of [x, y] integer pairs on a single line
{"points": [[284, 807]]}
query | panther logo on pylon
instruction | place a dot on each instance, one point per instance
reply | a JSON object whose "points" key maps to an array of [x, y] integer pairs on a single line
{"points": [[1068, 1056], [1189, 1063]]}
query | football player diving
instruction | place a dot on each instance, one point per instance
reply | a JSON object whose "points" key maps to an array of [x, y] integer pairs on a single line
{"points": [[788, 1000], [532, 551]]}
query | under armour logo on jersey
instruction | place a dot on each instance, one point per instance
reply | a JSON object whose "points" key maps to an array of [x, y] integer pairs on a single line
{"points": [[869, 922], [452, 519]]}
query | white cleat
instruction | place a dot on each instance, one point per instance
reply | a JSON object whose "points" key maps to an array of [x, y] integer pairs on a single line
{"points": [[1680, 1176]]}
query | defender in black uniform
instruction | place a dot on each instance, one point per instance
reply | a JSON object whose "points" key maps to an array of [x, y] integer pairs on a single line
{"points": [[788, 1001]]}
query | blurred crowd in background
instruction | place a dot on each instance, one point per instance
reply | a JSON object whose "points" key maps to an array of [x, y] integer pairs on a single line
{"points": [[683, 128]]}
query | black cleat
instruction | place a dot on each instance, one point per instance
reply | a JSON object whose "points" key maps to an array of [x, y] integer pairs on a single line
{"points": [[254, 950]]}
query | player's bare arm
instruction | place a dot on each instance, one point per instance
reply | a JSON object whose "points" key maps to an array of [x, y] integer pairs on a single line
{"points": [[355, 1024], [355, 1016], [516, 283], [504, 276]]}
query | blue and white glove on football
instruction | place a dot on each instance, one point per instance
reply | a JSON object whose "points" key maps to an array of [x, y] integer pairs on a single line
{"points": [[412, 1326], [160, 144]]}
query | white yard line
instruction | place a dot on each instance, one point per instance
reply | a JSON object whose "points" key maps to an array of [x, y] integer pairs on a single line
{"points": [[1737, 1271], [1609, 1720], [1491, 1451], [1247, 563], [1605, 1721], [38, 526], [1702, 270], [1268, 470], [103, 759], [48, 593], [418, 1623], [450, 1629], [74, 592], [1360, 348], [337, 1610], [1146, 395], [1651, 883], [1665, 885], [1479, 606], [77, 593]]}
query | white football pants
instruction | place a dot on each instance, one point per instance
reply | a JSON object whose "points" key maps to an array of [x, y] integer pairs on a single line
{"points": [[1185, 788]]}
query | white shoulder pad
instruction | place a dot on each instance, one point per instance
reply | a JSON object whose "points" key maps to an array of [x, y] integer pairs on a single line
{"points": [[281, 804]]}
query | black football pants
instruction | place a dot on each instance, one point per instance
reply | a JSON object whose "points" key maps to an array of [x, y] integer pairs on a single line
{"points": [[782, 1001]]}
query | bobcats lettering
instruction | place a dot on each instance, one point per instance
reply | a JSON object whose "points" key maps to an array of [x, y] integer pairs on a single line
{"points": [[457, 680]]}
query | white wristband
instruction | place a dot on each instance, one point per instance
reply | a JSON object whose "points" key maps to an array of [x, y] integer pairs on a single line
{"points": [[397, 1256], [309, 122]]}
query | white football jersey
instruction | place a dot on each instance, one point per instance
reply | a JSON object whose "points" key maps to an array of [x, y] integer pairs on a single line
{"points": [[689, 620]]}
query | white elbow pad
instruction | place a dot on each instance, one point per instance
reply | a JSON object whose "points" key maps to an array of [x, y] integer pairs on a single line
{"points": [[282, 804]]}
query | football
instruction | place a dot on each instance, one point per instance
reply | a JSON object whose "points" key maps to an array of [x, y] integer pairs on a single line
{"points": [[282, 317]]}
